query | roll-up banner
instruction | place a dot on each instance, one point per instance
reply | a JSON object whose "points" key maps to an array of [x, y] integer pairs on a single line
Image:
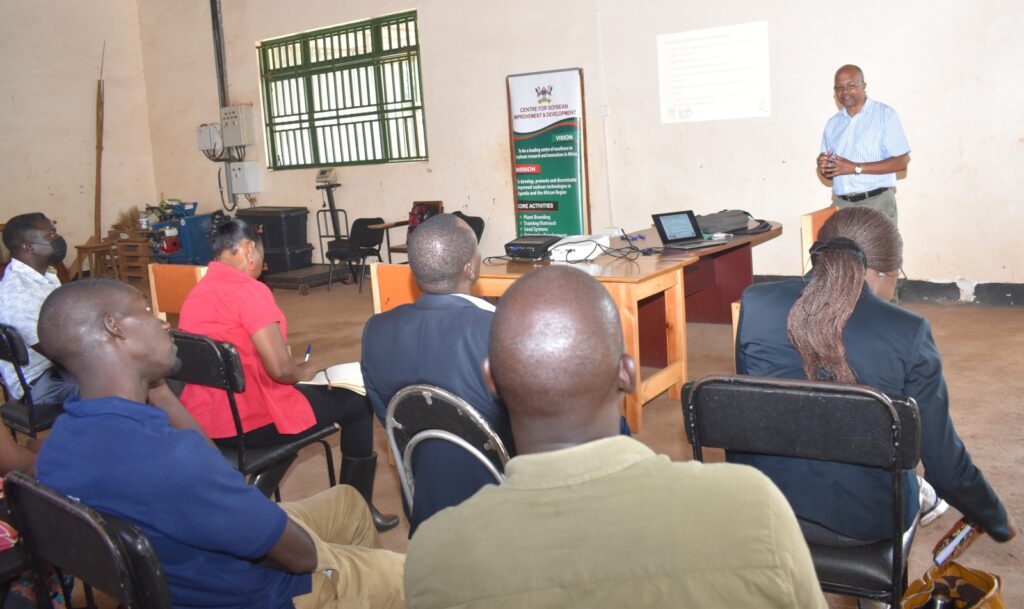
{"points": [[549, 154]]}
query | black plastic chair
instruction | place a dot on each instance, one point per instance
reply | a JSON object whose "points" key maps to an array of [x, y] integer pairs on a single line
{"points": [[475, 222], [217, 364], [825, 421], [102, 551], [424, 412], [23, 414], [361, 243]]}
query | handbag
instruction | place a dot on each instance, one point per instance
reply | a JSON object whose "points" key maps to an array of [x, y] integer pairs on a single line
{"points": [[725, 221], [949, 584], [733, 221], [964, 587]]}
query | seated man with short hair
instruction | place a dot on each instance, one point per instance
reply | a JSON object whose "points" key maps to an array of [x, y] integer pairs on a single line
{"points": [[589, 518], [35, 246], [221, 542], [439, 340]]}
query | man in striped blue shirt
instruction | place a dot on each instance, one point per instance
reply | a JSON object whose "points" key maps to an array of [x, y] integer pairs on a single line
{"points": [[863, 147]]}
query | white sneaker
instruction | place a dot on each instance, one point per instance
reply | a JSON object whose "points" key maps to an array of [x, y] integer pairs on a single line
{"points": [[932, 506]]}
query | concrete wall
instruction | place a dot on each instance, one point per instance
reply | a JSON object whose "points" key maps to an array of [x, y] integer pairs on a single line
{"points": [[49, 64], [950, 69], [464, 70], [947, 67]]}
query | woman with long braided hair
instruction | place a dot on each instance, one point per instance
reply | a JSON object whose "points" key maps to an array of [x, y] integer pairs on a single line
{"points": [[837, 324]]}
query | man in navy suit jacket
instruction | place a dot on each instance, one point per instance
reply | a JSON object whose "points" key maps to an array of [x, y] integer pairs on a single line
{"points": [[441, 339]]}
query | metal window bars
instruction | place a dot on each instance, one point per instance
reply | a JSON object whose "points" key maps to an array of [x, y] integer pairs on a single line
{"points": [[345, 95]]}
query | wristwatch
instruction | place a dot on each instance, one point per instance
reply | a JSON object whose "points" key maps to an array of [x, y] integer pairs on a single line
{"points": [[857, 169]]}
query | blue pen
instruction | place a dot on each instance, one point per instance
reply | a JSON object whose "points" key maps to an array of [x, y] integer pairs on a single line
{"points": [[309, 351]]}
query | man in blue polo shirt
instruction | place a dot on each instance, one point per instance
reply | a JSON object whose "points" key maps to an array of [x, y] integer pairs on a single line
{"points": [[863, 147], [221, 542]]}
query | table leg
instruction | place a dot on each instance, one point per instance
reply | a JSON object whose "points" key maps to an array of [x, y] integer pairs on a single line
{"points": [[675, 334], [387, 242], [626, 302]]}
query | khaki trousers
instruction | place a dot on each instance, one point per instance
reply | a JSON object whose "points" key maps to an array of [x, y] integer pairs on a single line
{"points": [[884, 202], [351, 569]]}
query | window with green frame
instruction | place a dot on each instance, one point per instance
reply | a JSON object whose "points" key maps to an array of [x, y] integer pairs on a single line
{"points": [[345, 95]]}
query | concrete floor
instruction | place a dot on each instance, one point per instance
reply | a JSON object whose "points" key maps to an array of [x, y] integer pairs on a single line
{"points": [[981, 349]]}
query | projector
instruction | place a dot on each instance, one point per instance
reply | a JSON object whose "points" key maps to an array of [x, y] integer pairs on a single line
{"points": [[577, 248], [531, 247]]}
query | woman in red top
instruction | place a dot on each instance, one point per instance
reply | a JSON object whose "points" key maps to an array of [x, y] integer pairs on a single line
{"points": [[230, 304]]}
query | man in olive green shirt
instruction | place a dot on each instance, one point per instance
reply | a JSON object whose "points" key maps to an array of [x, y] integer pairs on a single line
{"points": [[588, 518]]}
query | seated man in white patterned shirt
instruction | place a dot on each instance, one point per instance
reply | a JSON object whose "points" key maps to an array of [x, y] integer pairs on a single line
{"points": [[35, 246]]}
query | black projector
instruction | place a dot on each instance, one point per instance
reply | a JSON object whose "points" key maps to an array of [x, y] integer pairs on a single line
{"points": [[530, 248]]}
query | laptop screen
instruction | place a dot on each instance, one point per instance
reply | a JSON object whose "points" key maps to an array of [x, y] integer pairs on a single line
{"points": [[677, 226]]}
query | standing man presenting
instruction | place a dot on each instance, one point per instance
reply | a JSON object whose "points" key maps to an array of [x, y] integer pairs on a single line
{"points": [[863, 147]]}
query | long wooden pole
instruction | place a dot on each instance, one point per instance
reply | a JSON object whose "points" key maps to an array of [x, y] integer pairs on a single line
{"points": [[99, 148]]}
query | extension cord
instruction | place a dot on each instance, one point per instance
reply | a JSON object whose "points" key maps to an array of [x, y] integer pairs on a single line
{"points": [[577, 248]]}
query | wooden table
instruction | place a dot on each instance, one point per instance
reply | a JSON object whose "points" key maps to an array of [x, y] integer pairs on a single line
{"points": [[713, 283], [628, 282], [386, 227], [652, 294]]}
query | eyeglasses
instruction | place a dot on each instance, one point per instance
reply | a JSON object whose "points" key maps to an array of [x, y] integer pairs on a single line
{"points": [[851, 87]]}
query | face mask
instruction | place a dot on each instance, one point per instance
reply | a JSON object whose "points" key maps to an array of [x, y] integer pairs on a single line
{"points": [[58, 250]]}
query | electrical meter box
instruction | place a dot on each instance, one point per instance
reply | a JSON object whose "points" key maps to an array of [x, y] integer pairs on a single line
{"points": [[236, 125], [208, 138], [245, 177]]}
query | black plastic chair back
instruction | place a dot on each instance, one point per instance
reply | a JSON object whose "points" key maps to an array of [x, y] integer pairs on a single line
{"points": [[825, 421], [424, 412], [362, 240], [13, 349], [147, 572], [207, 362], [210, 363], [23, 414], [365, 237], [475, 222], [78, 540]]}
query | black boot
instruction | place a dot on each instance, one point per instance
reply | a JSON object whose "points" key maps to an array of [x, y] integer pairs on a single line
{"points": [[358, 472]]}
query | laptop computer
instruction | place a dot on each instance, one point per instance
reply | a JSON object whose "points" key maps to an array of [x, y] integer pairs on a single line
{"points": [[679, 230]]}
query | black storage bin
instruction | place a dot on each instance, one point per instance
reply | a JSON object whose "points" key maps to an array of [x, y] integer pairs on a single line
{"points": [[282, 227], [281, 259]]}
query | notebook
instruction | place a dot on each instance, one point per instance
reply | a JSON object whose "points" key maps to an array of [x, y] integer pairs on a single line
{"points": [[344, 376], [679, 230]]}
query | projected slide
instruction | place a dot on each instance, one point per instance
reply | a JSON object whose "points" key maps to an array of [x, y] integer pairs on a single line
{"points": [[714, 74]]}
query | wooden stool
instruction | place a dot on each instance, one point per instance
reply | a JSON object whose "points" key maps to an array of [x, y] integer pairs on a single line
{"points": [[100, 258]]}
